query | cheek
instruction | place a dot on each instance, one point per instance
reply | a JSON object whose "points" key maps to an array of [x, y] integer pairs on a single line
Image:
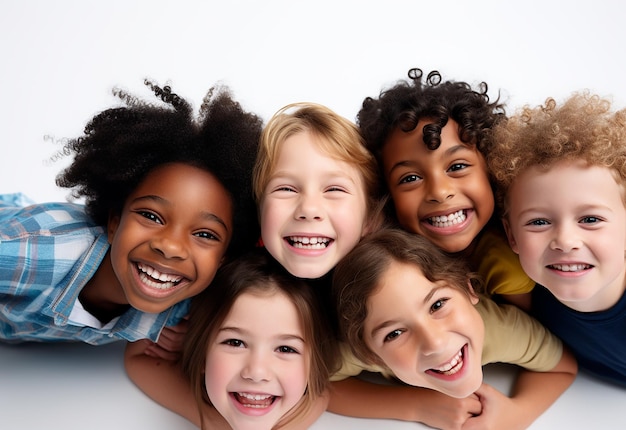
{"points": [[215, 376], [267, 217], [406, 208]]}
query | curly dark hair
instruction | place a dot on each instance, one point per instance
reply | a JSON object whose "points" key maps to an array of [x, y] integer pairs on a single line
{"points": [[406, 103], [121, 145]]}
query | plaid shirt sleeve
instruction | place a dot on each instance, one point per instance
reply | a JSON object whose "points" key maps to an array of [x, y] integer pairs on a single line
{"points": [[48, 252]]}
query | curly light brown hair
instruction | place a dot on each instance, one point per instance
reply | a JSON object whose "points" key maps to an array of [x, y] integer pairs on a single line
{"points": [[583, 128]]}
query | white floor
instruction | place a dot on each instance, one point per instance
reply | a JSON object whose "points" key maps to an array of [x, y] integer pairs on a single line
{"points": [[78, 387]]}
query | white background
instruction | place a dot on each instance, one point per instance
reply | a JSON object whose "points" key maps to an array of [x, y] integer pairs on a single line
{"points": [[61, 58]]}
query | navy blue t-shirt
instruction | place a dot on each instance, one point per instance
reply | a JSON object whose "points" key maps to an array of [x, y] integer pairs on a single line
{"points": [[597, 339]]}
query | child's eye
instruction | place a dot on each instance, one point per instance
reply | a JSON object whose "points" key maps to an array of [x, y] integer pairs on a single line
{"points": [[234, 342], [151, 216], [409, 178], [287, 350], [335, 188], [393, 335], [207, 235], [285, 188], [440, 303], [458, 166], [590, 220], [538, 222]]}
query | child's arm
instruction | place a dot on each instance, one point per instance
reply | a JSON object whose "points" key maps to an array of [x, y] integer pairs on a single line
{"points": [[163, 381], [358, 398], [532, 394]]}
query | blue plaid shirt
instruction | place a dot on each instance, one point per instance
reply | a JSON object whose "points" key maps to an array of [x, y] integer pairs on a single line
{"points": [[48, 252]]}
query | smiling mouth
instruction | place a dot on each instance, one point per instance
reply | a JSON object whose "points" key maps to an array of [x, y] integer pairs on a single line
{"points": [[570, 267], [158, 280], [449, 220], [451, 367], [306, 242], [255, 401]]}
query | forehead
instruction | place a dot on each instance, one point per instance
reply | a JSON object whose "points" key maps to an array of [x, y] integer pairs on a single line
{"points": [[574, 179], [178, 183], [272, 304], [410, 144], [315, 151]]}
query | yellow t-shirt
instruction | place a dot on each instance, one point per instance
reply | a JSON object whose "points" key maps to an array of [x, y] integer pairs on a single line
{"points": [[498, 266], [511, 336]]}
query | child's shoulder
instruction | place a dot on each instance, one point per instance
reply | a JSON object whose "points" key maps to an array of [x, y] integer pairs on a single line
{"points": [[42, 218], [513, 336], [498, 265]]}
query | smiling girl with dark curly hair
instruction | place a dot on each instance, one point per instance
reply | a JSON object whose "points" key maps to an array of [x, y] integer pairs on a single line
{"points": [[167, 200]]}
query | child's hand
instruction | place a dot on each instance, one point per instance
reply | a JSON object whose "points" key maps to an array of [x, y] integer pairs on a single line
{"points": [[170, 343], [498, 412], [447, 413]]}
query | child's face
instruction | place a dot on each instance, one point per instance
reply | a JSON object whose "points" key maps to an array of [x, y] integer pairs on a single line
{"points": [[429, 334], [257, 366], [443, 195], [170, 237], [568, 226], [313, 210]]}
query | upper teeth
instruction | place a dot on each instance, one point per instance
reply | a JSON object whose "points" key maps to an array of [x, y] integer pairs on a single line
{"points": [[255, 396], [155, 274], [570, 267], [448, 220], [451, 364], [309, 242]]}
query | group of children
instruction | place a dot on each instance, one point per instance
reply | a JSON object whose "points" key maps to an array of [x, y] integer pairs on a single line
{"points": [[256, 270]]}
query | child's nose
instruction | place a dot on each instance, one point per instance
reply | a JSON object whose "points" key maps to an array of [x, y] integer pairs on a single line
{"points": [[440, 189], [256, 368], [309, 207], [431, 341], [565, 239], [170, 244]]}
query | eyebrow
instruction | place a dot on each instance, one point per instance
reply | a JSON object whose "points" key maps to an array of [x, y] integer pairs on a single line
{"points": [[285, 336], [208, 216], [282, 174], [388, 323]]}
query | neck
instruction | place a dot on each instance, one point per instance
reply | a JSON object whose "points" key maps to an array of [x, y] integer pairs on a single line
{"points": [[103, 296]]}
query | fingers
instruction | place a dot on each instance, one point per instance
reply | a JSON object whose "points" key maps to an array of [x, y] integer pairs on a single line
{"points": [[474, 405], [156, 351], [170, 343]]}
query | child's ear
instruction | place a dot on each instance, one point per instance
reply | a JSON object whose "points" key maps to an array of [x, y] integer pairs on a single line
{"points": [[509, 235], [473, 296], [112, 225]]}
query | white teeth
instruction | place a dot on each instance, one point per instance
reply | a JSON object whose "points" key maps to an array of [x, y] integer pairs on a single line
{"points": [[448, 220], [255, 401], [149, 275], [452, 366], [255, 396], [306, 242], [570, 267]]}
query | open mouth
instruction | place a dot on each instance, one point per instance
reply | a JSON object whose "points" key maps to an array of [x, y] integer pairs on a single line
{"points": [[570, 267], [451, 367], [449, 220], [158, 280], [309, 242], [255, 401]]}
